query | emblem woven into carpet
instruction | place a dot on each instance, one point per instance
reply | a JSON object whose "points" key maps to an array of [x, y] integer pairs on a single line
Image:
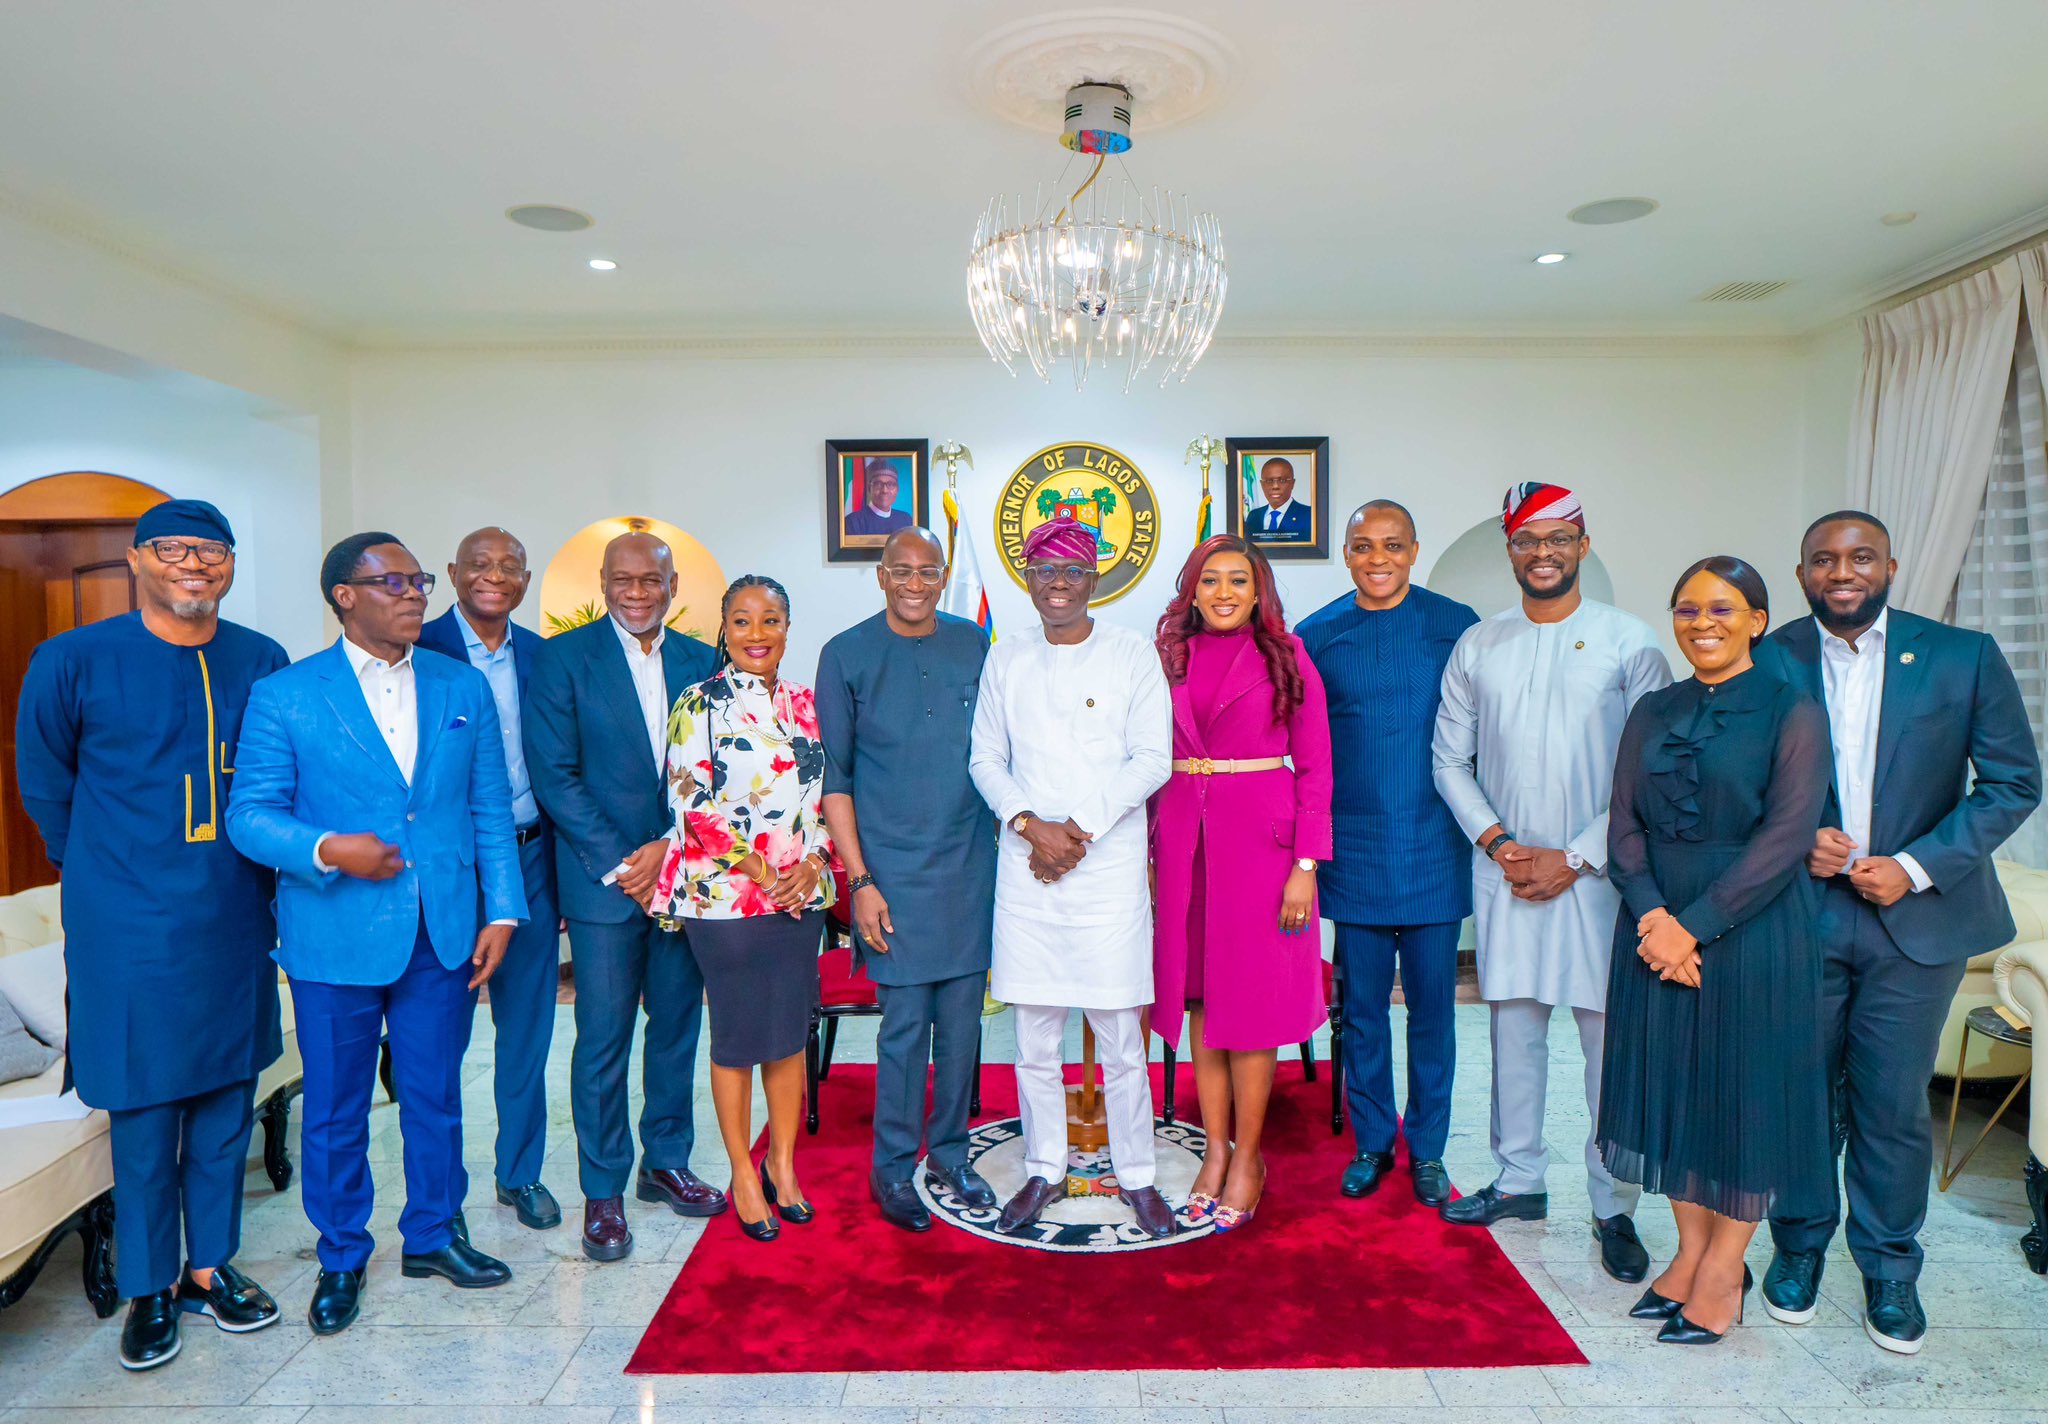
{"points": [[1315, 1282]]}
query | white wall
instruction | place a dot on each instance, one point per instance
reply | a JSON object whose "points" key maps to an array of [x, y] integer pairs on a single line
{"points": [[265, 477], [1679, 449]]}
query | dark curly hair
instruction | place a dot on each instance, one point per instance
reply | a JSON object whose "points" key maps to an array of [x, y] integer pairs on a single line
{"points": [[1269, 621]]}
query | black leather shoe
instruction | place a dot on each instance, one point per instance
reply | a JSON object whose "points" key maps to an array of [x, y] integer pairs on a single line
{"points": [[535, 1206], [1662, 1307], [900, 1205], [963, 1182], [1155, 1217], [236, 1303], [458, 1226], [1367, 1170], [337, 1300], [795, 1215], [1490, 1204], [150, 1336], [1892, 1316], [1621, 1251], [460, 1264], [1029, 1204], [1432, 1182], [1792, 1285], [1680, 1331], [680, 1190]]}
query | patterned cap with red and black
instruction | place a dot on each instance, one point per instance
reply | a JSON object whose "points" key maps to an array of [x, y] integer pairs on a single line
{"points": [[1533, 499]]}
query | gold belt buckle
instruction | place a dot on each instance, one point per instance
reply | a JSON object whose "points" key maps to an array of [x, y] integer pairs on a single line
{"points": [[1203, 766]]}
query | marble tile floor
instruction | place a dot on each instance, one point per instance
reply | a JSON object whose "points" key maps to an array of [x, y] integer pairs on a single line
{"points": [[549, 1348]]}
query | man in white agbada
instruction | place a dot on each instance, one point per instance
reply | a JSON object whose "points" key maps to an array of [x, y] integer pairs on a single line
{"points": [[1072, 732], [1533, 705]]}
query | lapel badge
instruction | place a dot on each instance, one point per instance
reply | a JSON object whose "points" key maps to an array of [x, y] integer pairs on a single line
{"points": [[1091, 702], [1580, 646], [1906, 659]]}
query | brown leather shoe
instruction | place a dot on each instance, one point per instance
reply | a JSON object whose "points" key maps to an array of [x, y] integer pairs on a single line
{"points": [[680, 1191], [1155, 1217], [606, 1237], [1029, 1204]]}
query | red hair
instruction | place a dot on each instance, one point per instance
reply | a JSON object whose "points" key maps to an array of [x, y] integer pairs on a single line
{"points": [[1269, 621]]}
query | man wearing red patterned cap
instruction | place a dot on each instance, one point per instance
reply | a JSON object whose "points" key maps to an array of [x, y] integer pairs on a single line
{"points": [[1533, 705], [1072, 733]]}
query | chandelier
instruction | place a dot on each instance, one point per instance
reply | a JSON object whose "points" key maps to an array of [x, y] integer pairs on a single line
{"points": [[1116, 277]]}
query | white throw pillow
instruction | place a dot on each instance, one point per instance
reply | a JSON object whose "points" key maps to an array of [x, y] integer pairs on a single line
{"points": [[33, 981]]}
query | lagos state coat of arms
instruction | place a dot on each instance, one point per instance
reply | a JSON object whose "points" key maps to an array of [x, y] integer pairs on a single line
{"points": [[1099, 488]]}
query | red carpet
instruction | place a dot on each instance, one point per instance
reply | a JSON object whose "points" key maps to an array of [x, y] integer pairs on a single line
{"points": [[1316, 1282]]}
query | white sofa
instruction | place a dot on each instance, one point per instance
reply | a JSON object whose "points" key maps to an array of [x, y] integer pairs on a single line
{"points": [[2022, 979], [56, 1177]]}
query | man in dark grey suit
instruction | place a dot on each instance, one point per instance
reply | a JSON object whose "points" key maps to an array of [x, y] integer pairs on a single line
{"points": [[1915, 710], [596, 735]]}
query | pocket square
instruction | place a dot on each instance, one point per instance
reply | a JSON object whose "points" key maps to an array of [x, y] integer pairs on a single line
{"points": [[458, 722]]}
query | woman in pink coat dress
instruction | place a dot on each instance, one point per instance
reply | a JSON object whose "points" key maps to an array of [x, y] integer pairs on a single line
{"points": [[1236, 834]]}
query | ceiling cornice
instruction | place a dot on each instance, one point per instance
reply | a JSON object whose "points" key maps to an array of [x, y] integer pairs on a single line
{"points": [[1942, 267]]}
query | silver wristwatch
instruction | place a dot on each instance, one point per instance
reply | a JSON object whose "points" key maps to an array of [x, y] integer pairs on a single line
{"points": [[1576, 861]]}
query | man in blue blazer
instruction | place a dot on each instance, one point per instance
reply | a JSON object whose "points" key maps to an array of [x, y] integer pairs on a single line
{"points": [[373, 781], [1935, 766], [596, 742], [1281, 519], [490, 578]]}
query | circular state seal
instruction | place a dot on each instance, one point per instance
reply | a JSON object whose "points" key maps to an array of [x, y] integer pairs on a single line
{"points": [[1092, 1218], [1101, 489]]}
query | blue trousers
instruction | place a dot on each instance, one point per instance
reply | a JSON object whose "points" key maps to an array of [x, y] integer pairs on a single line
{"points": [[936, 1025], [616, 967], [1428, 956], [428, 1010], [522, 995], [178, 1165]]}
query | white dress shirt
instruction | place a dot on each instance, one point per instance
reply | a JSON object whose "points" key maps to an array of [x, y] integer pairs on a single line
{"points": [[1853, 681], [1275, 514], [651, 687]]}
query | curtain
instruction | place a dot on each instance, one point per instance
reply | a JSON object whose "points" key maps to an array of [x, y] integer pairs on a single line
{"points": [[1935, 375], [2003, 588]]}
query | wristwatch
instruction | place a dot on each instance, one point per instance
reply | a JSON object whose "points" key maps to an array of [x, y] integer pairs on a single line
{"points": [[1305, 864], [1496, 843], [1576, 861], [1019, 821]]}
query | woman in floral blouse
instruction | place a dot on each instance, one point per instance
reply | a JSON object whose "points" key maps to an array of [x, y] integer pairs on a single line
{"points": [[748, 877]]}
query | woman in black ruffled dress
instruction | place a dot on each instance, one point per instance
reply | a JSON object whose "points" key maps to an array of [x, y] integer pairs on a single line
{"points": [[1713, 1091]]}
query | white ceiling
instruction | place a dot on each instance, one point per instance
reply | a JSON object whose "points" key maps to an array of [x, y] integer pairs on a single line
{"points": [[803, 167]]}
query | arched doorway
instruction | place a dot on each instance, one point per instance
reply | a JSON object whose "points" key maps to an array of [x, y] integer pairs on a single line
{"points": [[1474, 570], [571, 594], [63, 561]]}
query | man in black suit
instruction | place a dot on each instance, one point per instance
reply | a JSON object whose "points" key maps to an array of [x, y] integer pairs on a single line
{"points": [[596, 737], [490, 579], [1908, 894]]}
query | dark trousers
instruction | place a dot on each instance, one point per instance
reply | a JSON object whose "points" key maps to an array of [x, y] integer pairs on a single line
{"points": [[523, 1018], [1428, 956], [616, 967], [936, 1025], [428, 1010], [178, 1165], [1883, 1015]]}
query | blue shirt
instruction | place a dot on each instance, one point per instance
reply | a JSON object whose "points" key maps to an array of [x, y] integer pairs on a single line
{"points": [[504, 680]]}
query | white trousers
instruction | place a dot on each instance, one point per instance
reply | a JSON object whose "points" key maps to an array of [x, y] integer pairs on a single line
{"points": [[1521, 1075], [1042, 1091]]}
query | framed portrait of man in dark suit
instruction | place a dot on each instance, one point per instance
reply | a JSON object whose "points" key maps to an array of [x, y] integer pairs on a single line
{"points": [[872, 489], [1279, 494]]}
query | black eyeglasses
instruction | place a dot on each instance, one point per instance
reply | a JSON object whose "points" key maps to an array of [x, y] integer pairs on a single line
{"points": [[1556, 543], [175, 551], [396, 584]]}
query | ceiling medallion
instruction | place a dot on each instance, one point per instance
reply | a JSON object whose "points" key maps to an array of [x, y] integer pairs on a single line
{"points": [[1116, 275]]}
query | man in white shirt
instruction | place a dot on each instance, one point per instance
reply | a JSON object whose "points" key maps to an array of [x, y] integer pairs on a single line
{"points": [[596, 738], [1935, 766], [1073, 731]]}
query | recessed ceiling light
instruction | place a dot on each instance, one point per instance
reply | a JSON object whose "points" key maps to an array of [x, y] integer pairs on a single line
{"points": [[1897, 219], [603, 264], [1613, 210], [546, 217], [1551, 259]]}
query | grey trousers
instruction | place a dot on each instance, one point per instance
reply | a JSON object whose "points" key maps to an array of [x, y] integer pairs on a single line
{"points": [[938, 1025], [1521, 1076], [1883, 1015]]}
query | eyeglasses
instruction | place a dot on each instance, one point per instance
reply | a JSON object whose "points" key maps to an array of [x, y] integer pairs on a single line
{"points": [[174, 551], [1719, 612], [504, 568], [1556, 543], [922, 573], [1056, 573], [396, 584]]}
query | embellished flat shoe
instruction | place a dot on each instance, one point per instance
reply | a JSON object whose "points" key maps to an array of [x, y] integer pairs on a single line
{"points": [[1201, 1206]]}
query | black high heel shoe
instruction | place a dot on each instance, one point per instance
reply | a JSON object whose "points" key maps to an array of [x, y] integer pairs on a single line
{"points": [[795, 1215], [1680, 1331], [1662, 1307]]}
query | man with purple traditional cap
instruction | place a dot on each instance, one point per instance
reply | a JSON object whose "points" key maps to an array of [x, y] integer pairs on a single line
{"points": [[1534, 699], [1072, 734], [124, 752]]}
